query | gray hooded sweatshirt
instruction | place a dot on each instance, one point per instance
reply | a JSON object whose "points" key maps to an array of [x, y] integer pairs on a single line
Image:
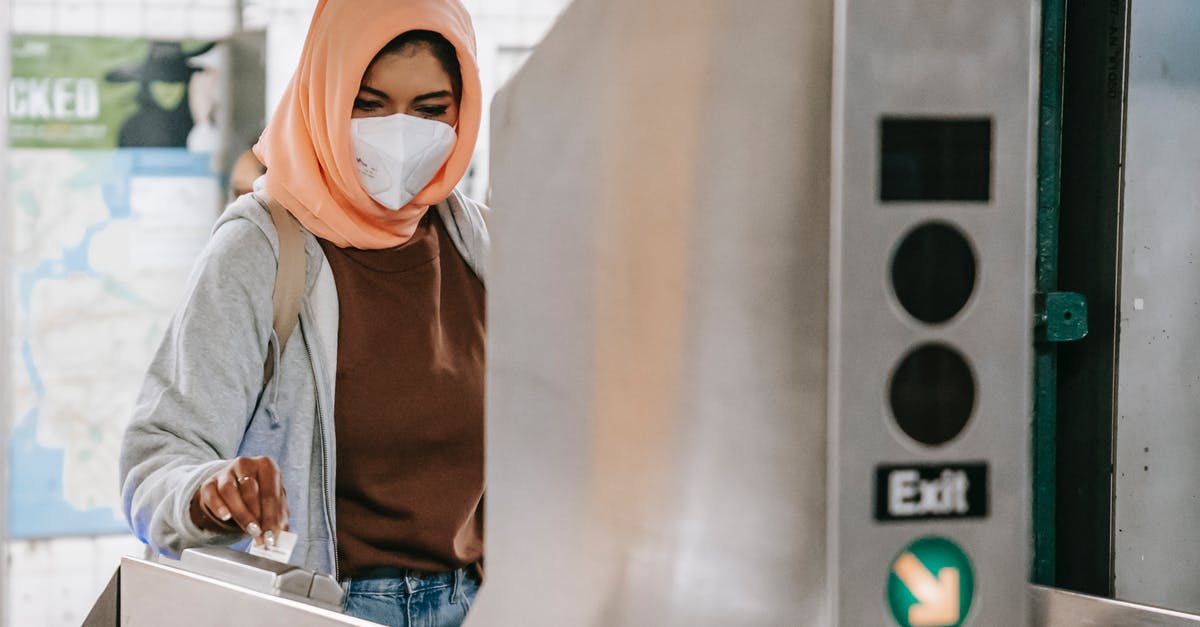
{"points": [[203, 402]]}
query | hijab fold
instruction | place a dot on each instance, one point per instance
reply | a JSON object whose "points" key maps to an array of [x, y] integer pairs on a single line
{"points": [[307, 145]]}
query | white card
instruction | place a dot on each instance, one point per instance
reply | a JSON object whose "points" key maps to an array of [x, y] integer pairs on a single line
{"points": [[281, 552]]}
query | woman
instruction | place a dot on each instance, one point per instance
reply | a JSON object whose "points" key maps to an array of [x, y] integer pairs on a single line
{"points": [[383, 481]]}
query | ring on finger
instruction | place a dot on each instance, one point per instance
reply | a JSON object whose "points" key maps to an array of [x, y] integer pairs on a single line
{"points": [[241, 480]]}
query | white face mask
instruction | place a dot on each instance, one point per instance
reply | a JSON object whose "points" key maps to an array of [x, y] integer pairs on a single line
{"points": [[399, 154]]}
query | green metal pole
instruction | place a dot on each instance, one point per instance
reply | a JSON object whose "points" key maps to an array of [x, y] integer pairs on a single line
{"points": [[1046, 353]]}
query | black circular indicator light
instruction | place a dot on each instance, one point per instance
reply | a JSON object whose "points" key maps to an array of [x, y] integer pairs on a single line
{"points": [[933, 272], [932, 394]]}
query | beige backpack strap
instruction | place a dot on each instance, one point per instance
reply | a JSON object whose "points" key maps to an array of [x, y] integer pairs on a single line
{"points": [[289, 277]]}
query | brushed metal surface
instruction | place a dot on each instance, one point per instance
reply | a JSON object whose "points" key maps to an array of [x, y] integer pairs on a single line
{"points": [[156, 594], [1157, 471], [657, 319], [1050, 607], [939, 59]]}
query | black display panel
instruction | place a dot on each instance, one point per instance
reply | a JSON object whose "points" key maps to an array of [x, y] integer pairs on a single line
{"points": [[931, 159]]}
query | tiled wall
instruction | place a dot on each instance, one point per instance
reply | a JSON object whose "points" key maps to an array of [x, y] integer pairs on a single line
{"points": [[519, 20], [169, 19], [53, 583]]}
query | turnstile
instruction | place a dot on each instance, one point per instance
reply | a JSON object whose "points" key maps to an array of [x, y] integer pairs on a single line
{"points": [[239, 589], [218, 587]]}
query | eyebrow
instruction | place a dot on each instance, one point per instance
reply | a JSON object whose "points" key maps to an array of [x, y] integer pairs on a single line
{"points": [[432, 96], [375, 92]]}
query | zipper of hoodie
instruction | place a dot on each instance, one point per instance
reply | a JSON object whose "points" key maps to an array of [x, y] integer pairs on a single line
{"points": [[324, 460]]}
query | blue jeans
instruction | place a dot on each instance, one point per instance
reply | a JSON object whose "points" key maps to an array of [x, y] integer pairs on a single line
{"points": [[411, 599]]}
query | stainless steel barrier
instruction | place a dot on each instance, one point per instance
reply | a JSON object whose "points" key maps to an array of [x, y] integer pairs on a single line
{"points": [[218, 587], [1051, 607]]}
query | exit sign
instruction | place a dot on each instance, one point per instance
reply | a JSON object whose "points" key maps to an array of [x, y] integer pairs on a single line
{"points": [[931, 491]]}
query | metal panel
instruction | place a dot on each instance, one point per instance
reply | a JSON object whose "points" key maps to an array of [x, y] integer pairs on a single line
{"points": [[657, 337], [1157, 500], [1050, 607], [941, 59], [155, 594], [106, 612]]}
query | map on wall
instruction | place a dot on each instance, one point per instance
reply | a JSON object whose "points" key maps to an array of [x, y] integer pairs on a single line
{"points": [[110, 209], [104, 243]]}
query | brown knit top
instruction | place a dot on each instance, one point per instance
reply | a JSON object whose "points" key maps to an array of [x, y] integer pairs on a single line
{"points": [[408, 413]]}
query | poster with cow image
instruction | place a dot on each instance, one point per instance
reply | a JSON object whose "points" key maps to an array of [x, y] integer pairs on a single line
{"points": [[94, 92]]}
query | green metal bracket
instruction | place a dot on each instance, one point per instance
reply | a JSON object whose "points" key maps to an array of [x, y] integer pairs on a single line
{"points": [[1061, 317]]}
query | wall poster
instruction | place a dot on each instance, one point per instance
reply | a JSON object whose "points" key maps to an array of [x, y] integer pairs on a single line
{"points": [[113, 193]]}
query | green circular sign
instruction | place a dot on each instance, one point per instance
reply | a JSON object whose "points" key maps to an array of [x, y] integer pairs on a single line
{"points": [[930, 584]]}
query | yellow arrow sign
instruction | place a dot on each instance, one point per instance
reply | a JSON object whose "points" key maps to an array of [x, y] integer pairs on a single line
{"points": [[937, 598]]}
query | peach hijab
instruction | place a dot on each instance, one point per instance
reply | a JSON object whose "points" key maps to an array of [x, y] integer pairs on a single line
{"points": [[307, 145]]}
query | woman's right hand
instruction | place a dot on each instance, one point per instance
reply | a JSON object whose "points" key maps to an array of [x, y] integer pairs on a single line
{"points": [[246, 493]]}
